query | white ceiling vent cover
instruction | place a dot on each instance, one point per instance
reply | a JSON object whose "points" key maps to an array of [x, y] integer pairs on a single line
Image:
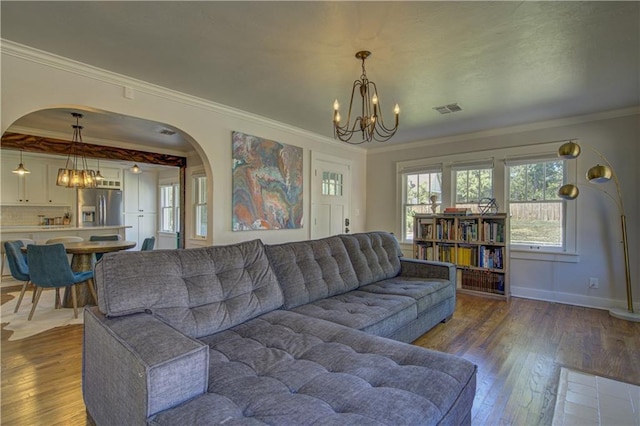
{"points": [[446, 109]]}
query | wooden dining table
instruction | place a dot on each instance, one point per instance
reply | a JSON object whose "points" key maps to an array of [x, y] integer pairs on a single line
{"points": [[83, 259]]}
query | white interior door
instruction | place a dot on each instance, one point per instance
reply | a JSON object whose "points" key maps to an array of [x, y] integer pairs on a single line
{"points": [[330, 195]]}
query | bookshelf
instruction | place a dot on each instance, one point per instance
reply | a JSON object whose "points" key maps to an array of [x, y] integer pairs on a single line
{"points": [[477, 244]]}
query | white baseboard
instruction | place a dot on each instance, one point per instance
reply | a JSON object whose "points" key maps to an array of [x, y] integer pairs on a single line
{"points": [[569, 298]]}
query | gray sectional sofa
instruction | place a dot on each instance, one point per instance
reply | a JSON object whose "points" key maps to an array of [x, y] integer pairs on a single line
{"points": [[301, 333]]}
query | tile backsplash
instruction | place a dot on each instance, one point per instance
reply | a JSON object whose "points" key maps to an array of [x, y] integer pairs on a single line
{"points": [[28, 215]]}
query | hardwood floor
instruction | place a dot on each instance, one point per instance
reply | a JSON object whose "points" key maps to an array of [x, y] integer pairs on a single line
{"points": [[518, 346]]}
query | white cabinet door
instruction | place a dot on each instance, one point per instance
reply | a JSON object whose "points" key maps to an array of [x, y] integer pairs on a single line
{"points": [[10, 186], [140, 192], [58, 195], [35, 183], [147, 192], [147, 225], [142, 226]]}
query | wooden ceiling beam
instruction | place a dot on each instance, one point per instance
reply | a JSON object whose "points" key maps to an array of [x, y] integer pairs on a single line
{"points": [[30, 143]]}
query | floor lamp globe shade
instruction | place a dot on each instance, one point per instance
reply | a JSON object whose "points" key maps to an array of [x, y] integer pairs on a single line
{"points": [[599, 174], [569, 150], [568, 192]]}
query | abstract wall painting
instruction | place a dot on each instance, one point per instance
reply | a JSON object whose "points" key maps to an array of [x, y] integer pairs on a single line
{"points": [[267, 184]]}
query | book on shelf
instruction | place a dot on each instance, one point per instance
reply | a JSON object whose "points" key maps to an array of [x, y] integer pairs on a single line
{"points": [[457, 211], [483, 281]]}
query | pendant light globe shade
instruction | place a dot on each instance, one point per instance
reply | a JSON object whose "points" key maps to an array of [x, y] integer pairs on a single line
{"points": [[21, 170], [599, 174], [569, 150], [136, 169], [568, 192]]}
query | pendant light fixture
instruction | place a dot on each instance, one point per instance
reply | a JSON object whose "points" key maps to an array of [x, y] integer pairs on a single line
{"points": [[369, 124], [76, 173], [99, 176], [21, 170], [135, 169]]}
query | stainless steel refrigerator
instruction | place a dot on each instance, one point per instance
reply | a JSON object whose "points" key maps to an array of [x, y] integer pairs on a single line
{"points": [[99, 207]]}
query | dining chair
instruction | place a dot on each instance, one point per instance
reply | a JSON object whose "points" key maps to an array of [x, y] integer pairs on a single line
{"points": [[114, 237], [148, 243], [49, 268], [18, 267], [25, 241]]}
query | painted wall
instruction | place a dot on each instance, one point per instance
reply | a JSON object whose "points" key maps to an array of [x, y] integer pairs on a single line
{"points": [[616, 135], [33, 80]]}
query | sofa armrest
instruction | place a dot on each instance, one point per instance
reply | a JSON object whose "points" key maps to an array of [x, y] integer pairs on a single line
{"points": [[136, 366], [428, 269]]}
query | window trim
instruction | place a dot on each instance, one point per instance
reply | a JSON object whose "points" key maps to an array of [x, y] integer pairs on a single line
{"points": [[195, 186], [569, 211], [434, 168]]}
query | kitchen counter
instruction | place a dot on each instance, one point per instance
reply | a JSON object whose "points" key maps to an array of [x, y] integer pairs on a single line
{"points": [[40, 234], [51, 228]]}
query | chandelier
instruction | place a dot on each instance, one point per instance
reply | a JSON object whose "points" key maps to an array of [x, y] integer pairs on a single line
{"points": [[76, 173], [369, 124]]}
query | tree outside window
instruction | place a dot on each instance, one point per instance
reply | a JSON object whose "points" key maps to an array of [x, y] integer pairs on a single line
{"points": [[473, 185], [535, 208]]}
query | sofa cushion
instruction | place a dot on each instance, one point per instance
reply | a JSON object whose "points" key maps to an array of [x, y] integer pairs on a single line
{"points": [[427, 292], [285, 368], [375, 255], [198, 291], [378, 314], [312, 270]]}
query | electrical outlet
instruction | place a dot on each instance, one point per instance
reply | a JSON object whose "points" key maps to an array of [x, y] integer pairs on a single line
{"points": [[593, 282]]}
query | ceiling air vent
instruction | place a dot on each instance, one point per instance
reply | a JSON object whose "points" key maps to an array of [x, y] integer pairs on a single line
{"points": [[446, 109]]}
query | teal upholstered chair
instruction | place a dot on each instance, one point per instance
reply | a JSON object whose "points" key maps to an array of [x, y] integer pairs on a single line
{"points": [[49, 268], [148, 243], [114, 237], [18, 266]]}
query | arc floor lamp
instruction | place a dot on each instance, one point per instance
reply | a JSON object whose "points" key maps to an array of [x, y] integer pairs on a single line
{"points": [[601, 174]]}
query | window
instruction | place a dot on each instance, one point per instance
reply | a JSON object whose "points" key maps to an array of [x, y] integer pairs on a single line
{"points": [[332, 183], [537, 213], [472, 185], [422, 191], [170, 208], [200, 206]]}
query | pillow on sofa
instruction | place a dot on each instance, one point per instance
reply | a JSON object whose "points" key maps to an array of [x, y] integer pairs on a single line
{"points": [[198, 291], [375, 255]]}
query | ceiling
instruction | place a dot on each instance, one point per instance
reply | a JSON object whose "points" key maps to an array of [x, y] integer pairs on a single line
{"points": [[504, 63]]}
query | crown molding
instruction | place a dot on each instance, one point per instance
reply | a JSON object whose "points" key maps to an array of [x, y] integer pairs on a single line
{"points": [[17, 50], [558, 122]]}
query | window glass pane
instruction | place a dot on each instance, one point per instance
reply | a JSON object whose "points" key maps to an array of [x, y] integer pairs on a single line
{"points": [[421, 191], [536, 224], [200, 206], [332, 183], [472, 186], [536, 211]]}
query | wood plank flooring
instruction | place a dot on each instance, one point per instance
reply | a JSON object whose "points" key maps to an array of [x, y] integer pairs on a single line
{"points": [[518, 346]]}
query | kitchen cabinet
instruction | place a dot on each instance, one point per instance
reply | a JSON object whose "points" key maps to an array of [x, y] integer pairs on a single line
{"points": [[140, 192], [37, 188], [58, 195], [142, 225], [26, 189]]}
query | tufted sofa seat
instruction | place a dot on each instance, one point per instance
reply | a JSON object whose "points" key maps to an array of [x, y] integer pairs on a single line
{"points": [[283, 334]]}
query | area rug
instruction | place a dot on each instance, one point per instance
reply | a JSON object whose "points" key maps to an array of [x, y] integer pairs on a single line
{"points": [[585, 399], [44, 318]]}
